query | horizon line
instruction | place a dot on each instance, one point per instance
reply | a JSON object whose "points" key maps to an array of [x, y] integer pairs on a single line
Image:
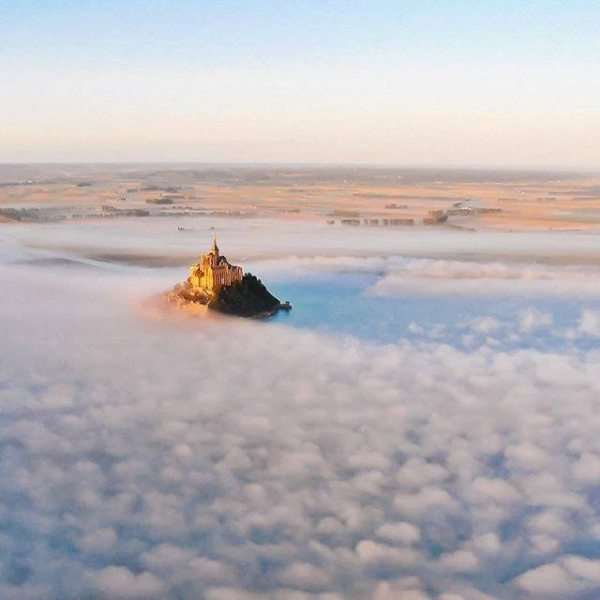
{"points": [[323, 165]]}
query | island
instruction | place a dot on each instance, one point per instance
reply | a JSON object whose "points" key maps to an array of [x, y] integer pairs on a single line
{"points": [[214, 283]]}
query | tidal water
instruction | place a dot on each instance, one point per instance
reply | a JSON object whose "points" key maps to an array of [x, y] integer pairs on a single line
{"points": [[342, 304]]}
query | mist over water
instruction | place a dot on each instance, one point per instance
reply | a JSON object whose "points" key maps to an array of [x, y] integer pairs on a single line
{"points": [[345, 304], [422, 425]]}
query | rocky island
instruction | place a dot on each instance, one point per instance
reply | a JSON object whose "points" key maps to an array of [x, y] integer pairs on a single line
{"points": [[215, 284]]}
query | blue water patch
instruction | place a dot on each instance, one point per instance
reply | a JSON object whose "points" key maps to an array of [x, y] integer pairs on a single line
{"points": [[341, 303]]}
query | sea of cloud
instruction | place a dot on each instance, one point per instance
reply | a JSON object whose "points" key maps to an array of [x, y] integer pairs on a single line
{"points": [[492, 279], [147, 457]]}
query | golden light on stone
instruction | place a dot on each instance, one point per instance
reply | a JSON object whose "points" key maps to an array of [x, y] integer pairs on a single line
{"points": [[215, 283]]}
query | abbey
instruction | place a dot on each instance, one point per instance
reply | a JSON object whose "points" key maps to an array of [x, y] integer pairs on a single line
{"points": [[212, 272], [216, 284]]}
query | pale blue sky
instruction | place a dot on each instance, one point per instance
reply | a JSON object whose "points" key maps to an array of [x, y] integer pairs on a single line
{"points": [[405, 82]]}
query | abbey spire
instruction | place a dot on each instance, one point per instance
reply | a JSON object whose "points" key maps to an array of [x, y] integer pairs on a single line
{"points": [[212, 272]]}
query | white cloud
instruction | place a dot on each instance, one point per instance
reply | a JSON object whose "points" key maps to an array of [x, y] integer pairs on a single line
{"points": [[405, 588], [461, 561], [242, 460], [483, 325], [589, 323], [399, 533], [569, 576], [384, 556], [102, 540], [484, 490], [456, 278], [531, 319], [546, 581], [587, 468], [304, 576], [119, 582]]}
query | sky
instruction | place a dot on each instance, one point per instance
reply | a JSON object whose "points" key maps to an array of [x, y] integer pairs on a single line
{"points": [[405, 82]]}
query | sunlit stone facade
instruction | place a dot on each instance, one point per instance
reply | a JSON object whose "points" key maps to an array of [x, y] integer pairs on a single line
{"points": [[213, 271]]}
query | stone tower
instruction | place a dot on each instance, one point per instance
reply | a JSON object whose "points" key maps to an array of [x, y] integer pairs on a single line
{"points": [[212, 272]]}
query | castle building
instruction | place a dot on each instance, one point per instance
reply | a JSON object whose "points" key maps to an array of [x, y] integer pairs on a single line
{"points": [[213, 271]]}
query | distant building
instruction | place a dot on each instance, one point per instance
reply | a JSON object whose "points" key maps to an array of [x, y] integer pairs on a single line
{"points": [[213, 271]]}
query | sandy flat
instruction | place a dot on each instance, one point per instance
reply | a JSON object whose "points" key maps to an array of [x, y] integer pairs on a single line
{"points": [[534, 203]]}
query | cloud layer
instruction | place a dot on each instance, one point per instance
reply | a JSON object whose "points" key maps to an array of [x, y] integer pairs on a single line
{"points": [[493, 279], [227, 460]]}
